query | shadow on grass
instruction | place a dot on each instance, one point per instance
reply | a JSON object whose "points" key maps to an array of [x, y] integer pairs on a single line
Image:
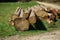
{"points": [[39, 25]]}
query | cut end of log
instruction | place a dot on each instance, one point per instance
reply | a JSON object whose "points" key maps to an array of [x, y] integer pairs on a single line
{"points": [[50, 22], [11, 23], [21, 24]]}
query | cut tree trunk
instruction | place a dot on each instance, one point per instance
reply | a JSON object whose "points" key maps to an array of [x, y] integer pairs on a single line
{"points": [[41, 14], [11, 20], [58, 14], [21, 14], [32, 17], [26, 13], [18, 11], [21, 24]]}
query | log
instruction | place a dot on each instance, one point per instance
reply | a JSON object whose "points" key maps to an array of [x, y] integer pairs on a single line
{"points": [[41, 14], [26, 13], [51, 22], [11, 22], [44, 8], [51, 16], [50, 19], [33, 8], [13, 17], [18, 11], [21, 24], [32, 17], [54, 11], [58, 13], [37, 7], [48, 9], [21, 14]]}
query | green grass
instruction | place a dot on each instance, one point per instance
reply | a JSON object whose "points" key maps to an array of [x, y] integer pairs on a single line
{"points": [[6, 9], [31, 32]]}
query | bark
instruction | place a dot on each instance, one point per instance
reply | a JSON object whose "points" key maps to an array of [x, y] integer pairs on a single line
{"points": [[21, 14], [41, 14], [26, 13], [32, 17]]}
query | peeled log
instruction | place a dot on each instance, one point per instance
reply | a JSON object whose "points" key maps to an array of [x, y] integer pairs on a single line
{"points": [[32, 17], [21, 24]]}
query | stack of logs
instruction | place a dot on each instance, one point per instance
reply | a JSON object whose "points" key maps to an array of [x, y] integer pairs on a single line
{"points": [[22, 18]]}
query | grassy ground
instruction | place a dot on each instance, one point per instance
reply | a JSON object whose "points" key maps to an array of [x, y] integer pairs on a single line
{"points": [[6, 9]]}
